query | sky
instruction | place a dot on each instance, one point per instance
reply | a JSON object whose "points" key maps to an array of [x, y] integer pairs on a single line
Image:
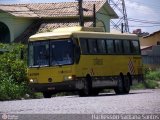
{"points": [[142, 14]]}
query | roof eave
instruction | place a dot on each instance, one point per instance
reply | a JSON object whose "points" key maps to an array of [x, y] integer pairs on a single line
{"points": [[110, 11], [55, 17]]}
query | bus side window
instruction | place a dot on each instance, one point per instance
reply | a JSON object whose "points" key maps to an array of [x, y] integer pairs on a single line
{"points": [[101, 46], [110, 46], [84, 46], [118, 46], [126, 46], [135, 47], [92, 46]]}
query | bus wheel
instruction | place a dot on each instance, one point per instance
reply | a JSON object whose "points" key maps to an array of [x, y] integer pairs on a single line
{"points": [[87, 87], [47, 94], [126, 85], [95, 92], [120, 89]]}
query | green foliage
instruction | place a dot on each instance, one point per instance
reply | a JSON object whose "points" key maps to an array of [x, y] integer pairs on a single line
{"points": [[153, 75], [10, 90], [152, 78], [146, 71], [13, 74], [138, 86], [151, 84]]}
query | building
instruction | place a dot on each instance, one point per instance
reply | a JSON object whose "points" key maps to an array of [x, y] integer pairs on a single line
{"points": [[19, 21], [150, 49], [152, 39], [140, 33]]}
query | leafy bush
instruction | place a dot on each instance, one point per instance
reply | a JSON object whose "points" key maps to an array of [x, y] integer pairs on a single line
{"points": [[151, 79], [151, 84], [10, 90], [153, 75], [13, 74], [138, 86]]}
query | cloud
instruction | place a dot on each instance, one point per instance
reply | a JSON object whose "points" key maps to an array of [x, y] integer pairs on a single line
{"points": [[142, 11], [24, 1]]}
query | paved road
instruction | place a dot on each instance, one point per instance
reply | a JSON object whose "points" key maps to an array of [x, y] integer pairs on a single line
{"points": [[137, 102]]}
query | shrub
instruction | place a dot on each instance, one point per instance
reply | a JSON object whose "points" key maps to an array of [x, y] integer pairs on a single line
{"points": [[11, 64], [138, 86], [151, 79], [13, 74], [153, 75], [151, 84], [10, 90]]}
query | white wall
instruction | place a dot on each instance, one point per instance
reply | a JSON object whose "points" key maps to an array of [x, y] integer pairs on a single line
{"points": [[16, 25], [102, 17]]}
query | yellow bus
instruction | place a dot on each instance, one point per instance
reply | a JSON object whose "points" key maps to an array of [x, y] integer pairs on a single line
{"points": [[86, 60]]}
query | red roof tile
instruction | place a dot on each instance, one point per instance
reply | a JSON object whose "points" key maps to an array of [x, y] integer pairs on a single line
{"points": [[53, 25], [47, 10]]}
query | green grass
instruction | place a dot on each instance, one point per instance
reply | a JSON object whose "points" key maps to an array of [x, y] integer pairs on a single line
{"points": [[152, 80], [138, 86], [151, 84], [10, 90], [153, 75]]}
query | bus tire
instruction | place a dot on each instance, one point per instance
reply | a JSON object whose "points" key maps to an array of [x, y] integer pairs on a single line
{"points": [[87, 90], [47, 94], [126, 85], [95, 92], [120, 86]]}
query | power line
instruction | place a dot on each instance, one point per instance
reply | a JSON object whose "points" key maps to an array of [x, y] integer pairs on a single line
{"points": [[143, 21], [138, 20], [145, 26]]}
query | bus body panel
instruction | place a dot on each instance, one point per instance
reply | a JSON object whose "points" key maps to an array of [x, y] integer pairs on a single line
{"points": [[104, 69], [57, 74]]}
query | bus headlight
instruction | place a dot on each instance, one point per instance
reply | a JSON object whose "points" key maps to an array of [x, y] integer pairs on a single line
{"points": [[70, 77], [32, 81]]}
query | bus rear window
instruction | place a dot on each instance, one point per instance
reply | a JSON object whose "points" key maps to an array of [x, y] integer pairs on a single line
{"points": [[126, 46], [135, 47]]}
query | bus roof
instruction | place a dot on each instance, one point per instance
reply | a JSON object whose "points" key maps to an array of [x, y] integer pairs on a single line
{"points": [[106, 35], [77, 31], [49, 35]]}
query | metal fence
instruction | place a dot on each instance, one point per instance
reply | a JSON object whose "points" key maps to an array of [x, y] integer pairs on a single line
{"points": [[152, 57]]}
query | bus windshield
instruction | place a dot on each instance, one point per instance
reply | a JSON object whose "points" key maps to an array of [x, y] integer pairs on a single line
{"points": [[51, 53]]}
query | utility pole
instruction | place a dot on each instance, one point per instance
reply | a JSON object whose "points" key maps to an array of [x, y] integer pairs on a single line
{"points": [[81, 20], [125, 19], [94, 15], [121, 27], [119, 7]]}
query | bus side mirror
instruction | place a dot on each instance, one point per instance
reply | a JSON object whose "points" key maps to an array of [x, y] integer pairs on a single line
{"points": [[77, 54]]}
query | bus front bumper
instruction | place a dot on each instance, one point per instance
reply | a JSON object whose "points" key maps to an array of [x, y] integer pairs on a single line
{"points": [[57, 87]]}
